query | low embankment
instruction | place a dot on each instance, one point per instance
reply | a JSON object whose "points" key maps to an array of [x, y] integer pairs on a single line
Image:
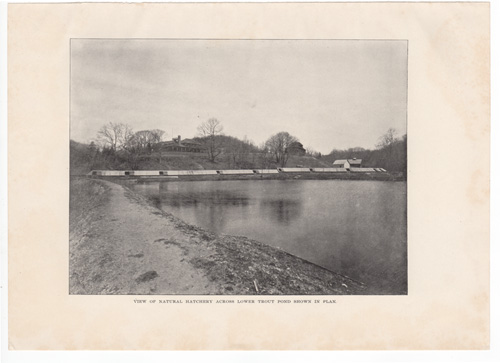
{"points": [[121, 244], [264, 174]]}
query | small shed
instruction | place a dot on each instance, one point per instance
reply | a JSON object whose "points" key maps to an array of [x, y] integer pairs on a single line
{"points": [[347, 163]]}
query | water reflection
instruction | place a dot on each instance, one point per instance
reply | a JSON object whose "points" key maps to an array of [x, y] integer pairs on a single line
{"points": [[199, 199], [283, 211], [177, 197], [357, 228]]}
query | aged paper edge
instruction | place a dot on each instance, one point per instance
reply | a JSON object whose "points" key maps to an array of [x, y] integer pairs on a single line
{"points": [[10, 176]]}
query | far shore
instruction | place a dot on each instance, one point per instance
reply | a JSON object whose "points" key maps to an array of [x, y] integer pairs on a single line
{"points": [[121, 244], [280, 176]]}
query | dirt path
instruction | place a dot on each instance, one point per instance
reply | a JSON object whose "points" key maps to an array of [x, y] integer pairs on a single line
{"points": [[120, 244], [126, 252]]}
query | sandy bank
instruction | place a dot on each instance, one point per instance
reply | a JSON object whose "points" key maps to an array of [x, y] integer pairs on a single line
{"points": [[120, 244]]}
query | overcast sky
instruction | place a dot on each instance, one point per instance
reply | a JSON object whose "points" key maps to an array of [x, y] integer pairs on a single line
{"points": [[328, 93]]}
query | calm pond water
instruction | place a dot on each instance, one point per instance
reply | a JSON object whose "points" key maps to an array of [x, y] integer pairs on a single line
{"points": [[356, 228]]}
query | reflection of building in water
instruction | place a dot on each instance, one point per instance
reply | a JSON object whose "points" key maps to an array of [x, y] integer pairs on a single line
{"points": [[283, 211]]}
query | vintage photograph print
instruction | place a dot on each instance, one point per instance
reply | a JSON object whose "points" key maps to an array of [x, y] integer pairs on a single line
{"points": [[238, 167]]}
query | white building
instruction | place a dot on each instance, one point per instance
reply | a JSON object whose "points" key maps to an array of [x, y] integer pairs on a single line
{"points": [[347, 163]]}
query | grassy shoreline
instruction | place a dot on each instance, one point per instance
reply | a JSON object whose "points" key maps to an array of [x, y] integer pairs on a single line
{"points": [[227, 265]]}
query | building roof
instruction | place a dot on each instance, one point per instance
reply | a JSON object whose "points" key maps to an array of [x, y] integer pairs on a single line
{"points": [[190, 141], [350, 161], [185, 142]]}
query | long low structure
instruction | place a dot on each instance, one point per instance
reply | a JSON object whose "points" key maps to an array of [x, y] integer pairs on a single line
{"points": [[146, 172], [176, 173], [362, 170], [266, 171], [107, 172], [192, 172], [235, 172], [328, 170], [294, 170]]}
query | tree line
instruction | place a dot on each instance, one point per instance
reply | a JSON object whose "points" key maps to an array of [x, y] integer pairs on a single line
{"points": [[389, 153], [118, 139], [116, 145], [119, 136]]}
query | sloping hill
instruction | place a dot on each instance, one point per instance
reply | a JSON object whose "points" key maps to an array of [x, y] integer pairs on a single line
{"points": [[84, 158]]}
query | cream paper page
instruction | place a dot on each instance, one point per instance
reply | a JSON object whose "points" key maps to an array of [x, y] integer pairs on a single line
{"points": [[447, 306]]}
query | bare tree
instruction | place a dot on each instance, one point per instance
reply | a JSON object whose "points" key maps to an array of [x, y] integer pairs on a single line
{"points": [[387, 139], [392, 151], [210, 132], [278, 145], [141, 139], [311, 152], [156, 135], [238, 151], [144, 139], [114, 135], [128, 135]]}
